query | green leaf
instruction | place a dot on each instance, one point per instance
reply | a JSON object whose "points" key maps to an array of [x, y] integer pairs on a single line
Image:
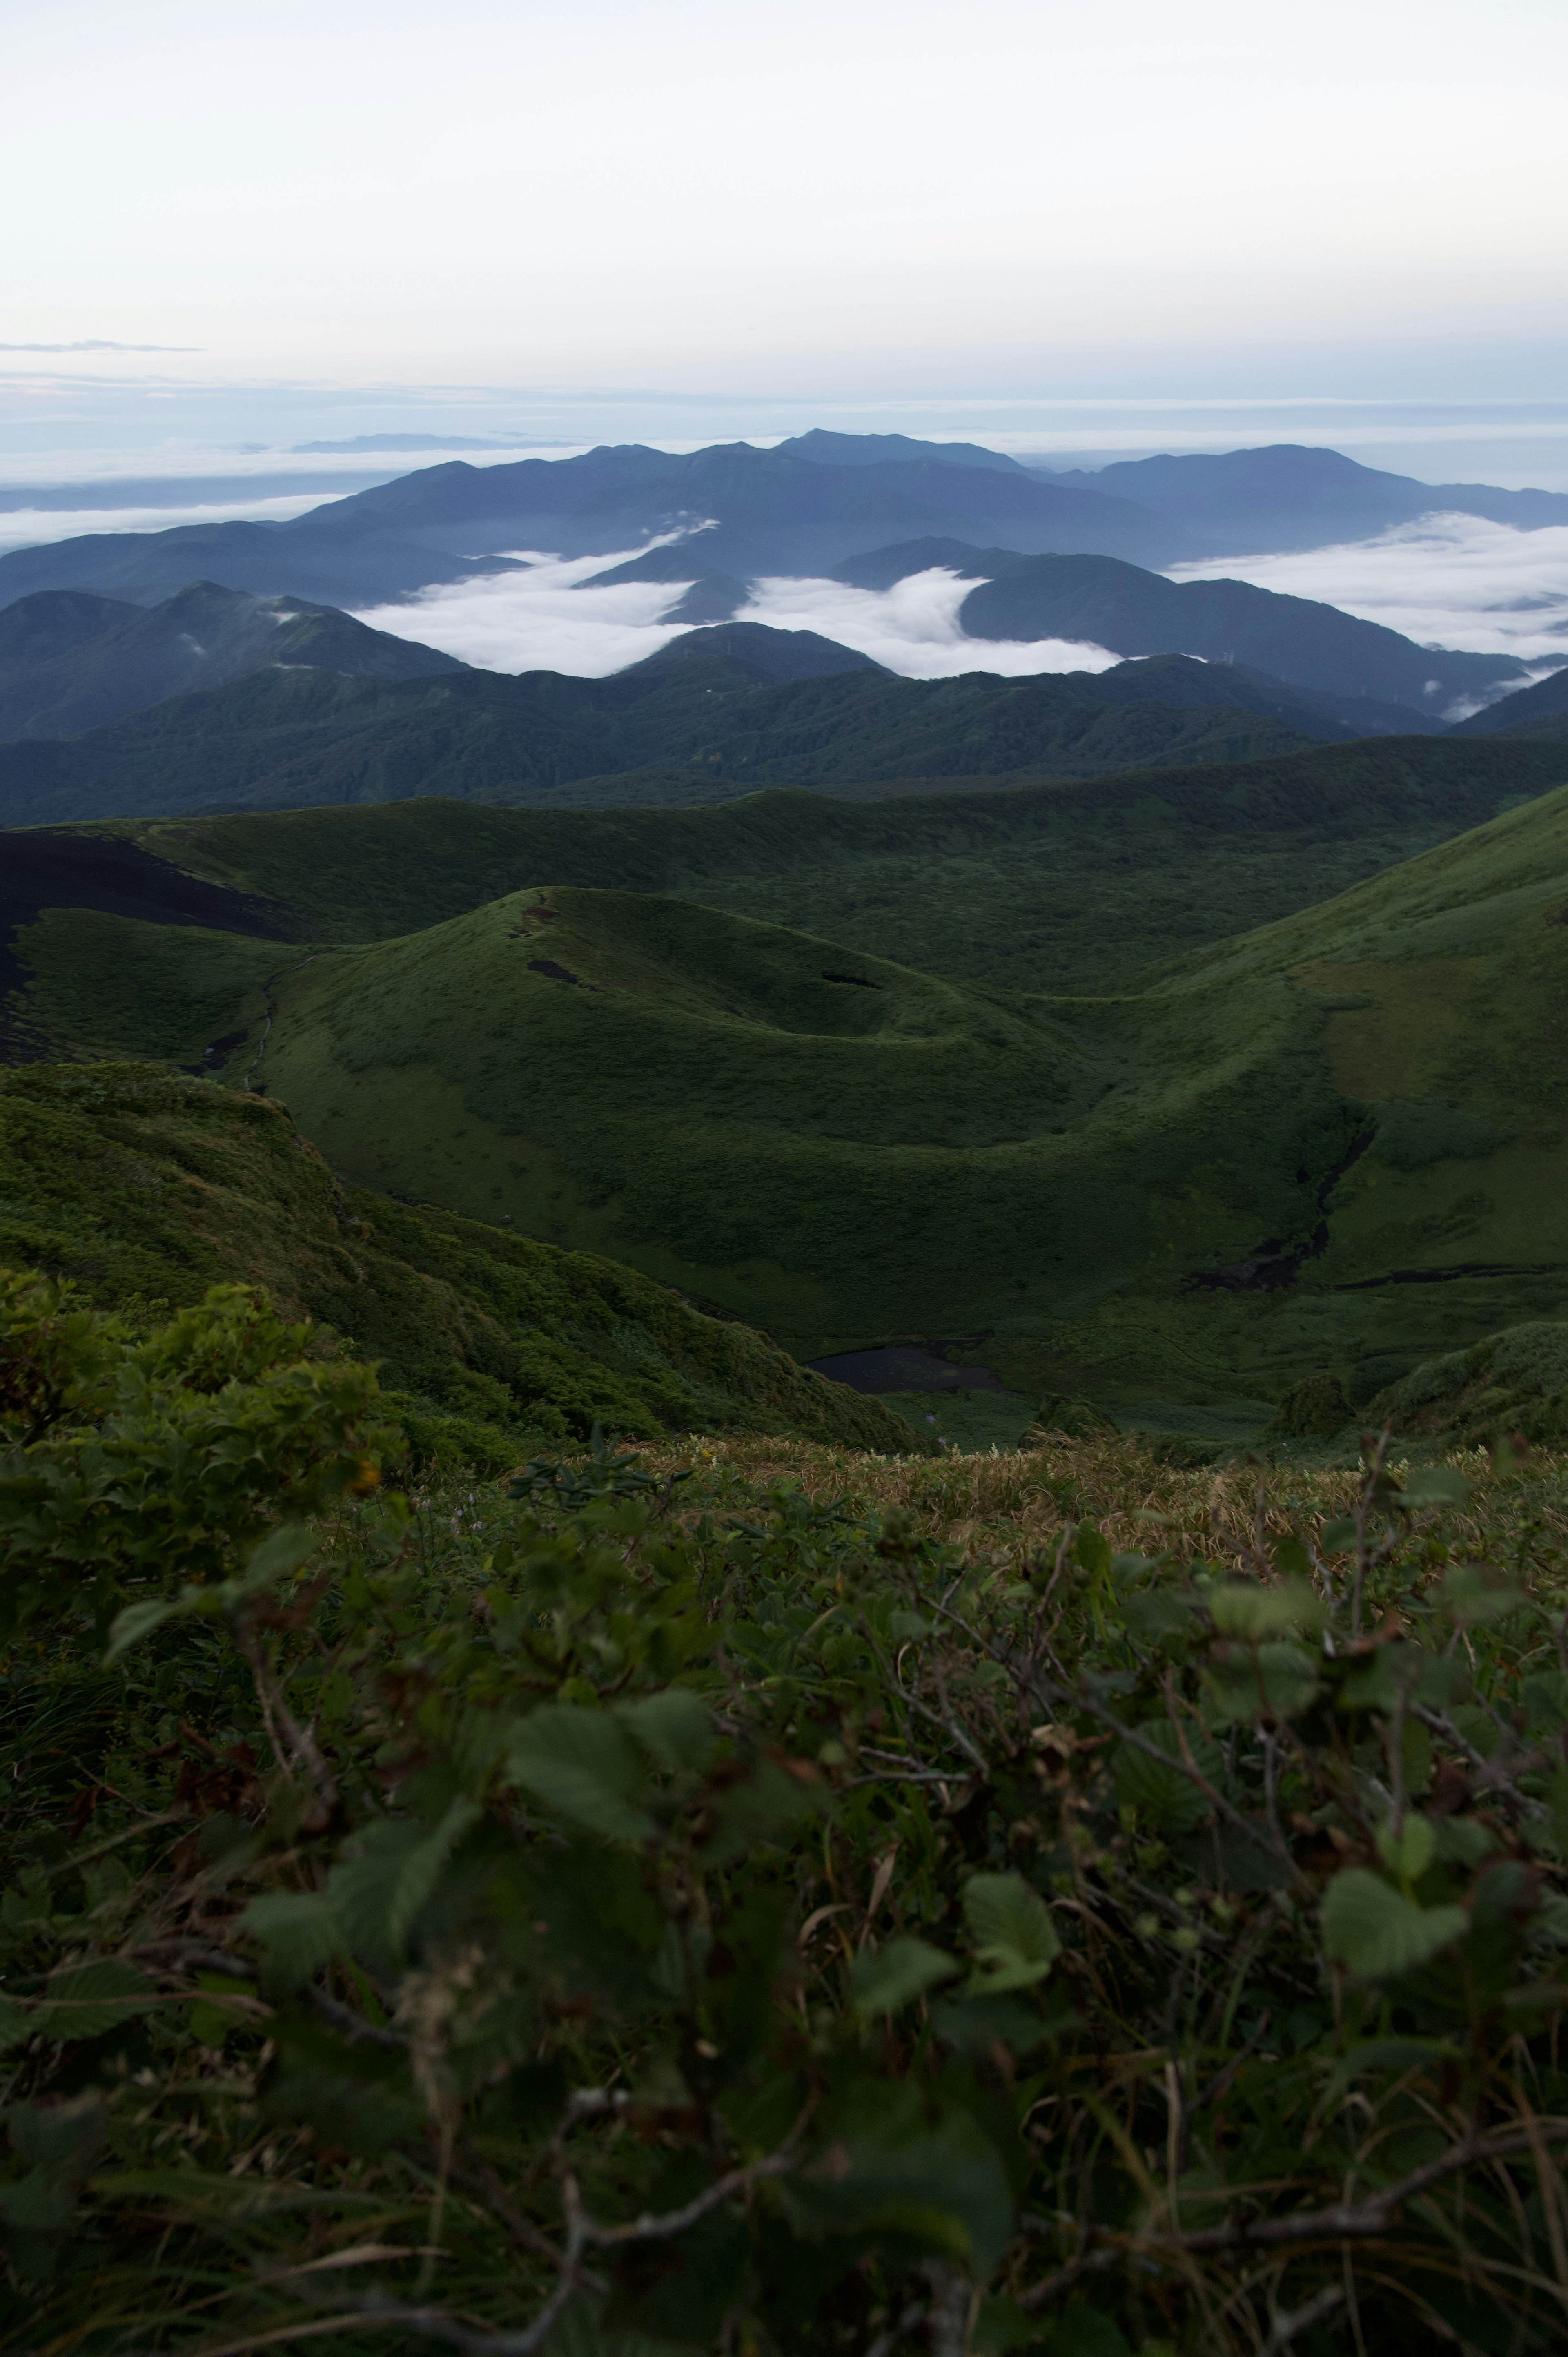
{"points": [[1241, 1609], [1435, 1485], [300, 1932], [1413, 1853], [378, 1894], [900, 1972], [675, 1729], [1163, 1797], [1014, 1935], [136, 1622], [1156, 1612], [15, 2025], [584, 1765], [1281, 1679], [1338, 1536], [1376, 1931], [92, 1998]]}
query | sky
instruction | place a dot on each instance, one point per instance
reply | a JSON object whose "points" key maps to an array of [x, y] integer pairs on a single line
{"points": [[1073, 234], [334, 209]]}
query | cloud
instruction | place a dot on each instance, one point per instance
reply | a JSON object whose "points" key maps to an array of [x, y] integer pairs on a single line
{"points": [[28, 527], [542, 620], [913, 627], [1443, 580], [96, 344]]}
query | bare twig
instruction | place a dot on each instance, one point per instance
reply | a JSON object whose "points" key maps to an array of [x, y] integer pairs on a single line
{"points": [[1287, 2327], [1345, 2223]]}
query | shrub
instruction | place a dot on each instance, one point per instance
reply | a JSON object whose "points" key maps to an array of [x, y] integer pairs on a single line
{"points": [[632, 1913]]}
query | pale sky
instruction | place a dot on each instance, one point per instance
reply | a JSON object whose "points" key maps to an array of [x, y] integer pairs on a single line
{"points": [[617, 193]]}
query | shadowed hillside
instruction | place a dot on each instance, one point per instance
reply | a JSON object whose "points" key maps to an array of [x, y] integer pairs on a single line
{"points": [[70, 662], [1337, 1141], [1038, 887], [143, 1187]]}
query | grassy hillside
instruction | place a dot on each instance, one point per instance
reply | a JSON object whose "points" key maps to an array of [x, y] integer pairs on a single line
{"points": [[1047, 887], [145, 1187], [1335, 1143]]}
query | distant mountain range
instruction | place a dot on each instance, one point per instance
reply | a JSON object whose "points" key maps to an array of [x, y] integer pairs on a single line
{"points": [[1540, 710], [799, 508], [715, 714], [311, 707], [70, 659], [1249, 502]]}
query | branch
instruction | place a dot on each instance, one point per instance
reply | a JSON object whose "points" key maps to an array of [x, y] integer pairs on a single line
{"points": [[1438, 1722], [1345, 2222]]}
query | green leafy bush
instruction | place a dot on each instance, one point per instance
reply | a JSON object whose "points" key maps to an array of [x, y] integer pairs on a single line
{"points": [[632, 1914]]}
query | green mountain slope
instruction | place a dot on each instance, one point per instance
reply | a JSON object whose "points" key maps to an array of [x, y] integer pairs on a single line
{"points": [[141, 1186], [1540, 710], [285, 739], [1038, 886], [1337, 1141]]}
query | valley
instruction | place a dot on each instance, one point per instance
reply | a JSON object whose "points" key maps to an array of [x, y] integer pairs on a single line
{"points": [[1158, 1035]]}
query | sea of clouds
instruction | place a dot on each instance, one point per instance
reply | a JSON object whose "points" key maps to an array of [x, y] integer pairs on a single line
{"points": [[1443, 580], [1446, 580], [549, 618]]}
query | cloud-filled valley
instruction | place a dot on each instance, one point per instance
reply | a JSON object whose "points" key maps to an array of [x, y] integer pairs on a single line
{"points": [[549, 618], [1444, 580]]}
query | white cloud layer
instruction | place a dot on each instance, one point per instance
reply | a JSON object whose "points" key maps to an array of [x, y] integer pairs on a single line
{"points": [[28, 527], [542, 620], [539, 620], [1444, 581]]}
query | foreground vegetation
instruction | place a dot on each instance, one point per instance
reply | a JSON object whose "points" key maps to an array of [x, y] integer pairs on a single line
{"points": [[753, 1897]]}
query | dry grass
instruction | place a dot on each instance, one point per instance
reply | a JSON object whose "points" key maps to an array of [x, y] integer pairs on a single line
{"points": [[1010, 1506]]}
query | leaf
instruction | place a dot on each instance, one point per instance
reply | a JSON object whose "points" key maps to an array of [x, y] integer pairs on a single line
{"points": [[1154, 1613], [1376, 1931], [1079, 2332], [1387, 2054], [1241, 1609], [1413, 1853], [15, 2025], [378, 1894], [1166, 1798], [675, 1729], [1281, 1679], [911, 2163], [583, 1764], [1338, 1536], [136, 1622], [85, 2002], [1435, 1485], [899, 1973], [300, 1932], [1012, 1929]]}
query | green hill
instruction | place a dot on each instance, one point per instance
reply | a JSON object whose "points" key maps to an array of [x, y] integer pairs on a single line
{"points": [[292, 739], [1040, 887], [1334, 1143], [143, 1185], [1540, 710]]}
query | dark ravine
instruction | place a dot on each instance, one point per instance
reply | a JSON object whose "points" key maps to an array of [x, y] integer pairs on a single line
{"points": [[1274, 1267]]}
